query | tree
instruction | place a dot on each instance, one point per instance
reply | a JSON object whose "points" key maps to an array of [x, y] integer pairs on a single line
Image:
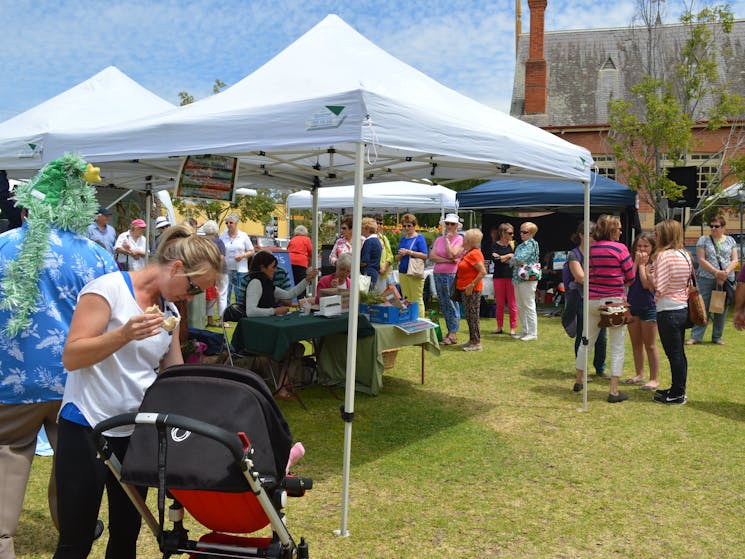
{"points": [[259, 208], [657, 122]]}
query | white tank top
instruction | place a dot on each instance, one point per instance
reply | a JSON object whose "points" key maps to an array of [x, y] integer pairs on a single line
{"points": [[117, 384]]}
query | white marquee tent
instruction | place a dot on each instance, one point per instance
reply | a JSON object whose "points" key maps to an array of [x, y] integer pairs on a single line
{"points": [[107, 98], [399, 196], [330, 109]]}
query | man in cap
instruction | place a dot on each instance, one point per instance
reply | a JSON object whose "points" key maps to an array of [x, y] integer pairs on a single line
{"points": [[45, 264], [101, 232]]}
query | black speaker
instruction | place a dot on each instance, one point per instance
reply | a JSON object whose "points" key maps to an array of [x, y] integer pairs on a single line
{"points": [[687, 177]]}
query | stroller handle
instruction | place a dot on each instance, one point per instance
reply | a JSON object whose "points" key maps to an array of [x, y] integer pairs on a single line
{"points": [[227, 438]]}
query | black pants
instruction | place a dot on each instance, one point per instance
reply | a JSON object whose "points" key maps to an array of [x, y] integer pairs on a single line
{"points": [[671, 326], [299, 273], [81, 478]]}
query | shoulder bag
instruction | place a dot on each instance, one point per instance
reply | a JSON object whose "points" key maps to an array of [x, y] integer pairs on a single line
{"points": [[696, 307], [416, 265]]}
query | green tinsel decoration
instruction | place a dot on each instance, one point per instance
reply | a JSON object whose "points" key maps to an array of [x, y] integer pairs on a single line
{"points": [[58, 196]]}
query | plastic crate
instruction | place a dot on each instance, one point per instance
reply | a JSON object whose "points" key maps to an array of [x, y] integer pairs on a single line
{"points": [[386, 314]]}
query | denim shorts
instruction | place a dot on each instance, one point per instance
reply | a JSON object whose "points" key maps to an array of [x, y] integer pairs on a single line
{"points": [[645, 315]]}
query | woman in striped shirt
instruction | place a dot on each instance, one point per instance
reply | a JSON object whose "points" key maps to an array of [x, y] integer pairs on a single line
{"points": [[610, 269], [671, 268]]}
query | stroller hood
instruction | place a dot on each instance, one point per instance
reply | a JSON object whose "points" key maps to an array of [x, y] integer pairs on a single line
{"points": [[231, 398]]}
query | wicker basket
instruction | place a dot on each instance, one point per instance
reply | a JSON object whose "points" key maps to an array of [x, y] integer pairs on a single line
{"points": [[389, 357]]}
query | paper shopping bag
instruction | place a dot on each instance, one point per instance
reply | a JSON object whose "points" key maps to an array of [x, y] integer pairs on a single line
{"points": [[717, 302]]}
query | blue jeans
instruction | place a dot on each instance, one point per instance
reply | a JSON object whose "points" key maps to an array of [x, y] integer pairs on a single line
{"points": [[671, 327], [449, 309], [235, 283], [601, 344], [706, 286]]}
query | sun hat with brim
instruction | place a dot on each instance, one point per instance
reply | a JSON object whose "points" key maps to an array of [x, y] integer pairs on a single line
{"points": [[452, 218], [162, 221], [138, 223]]}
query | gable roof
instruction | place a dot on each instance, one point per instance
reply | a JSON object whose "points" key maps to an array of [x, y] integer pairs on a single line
{"points": [[588, 68]]}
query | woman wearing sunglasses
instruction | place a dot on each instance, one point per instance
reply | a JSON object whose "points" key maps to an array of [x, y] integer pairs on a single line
{"points": [[717, 260], [116, 346]]}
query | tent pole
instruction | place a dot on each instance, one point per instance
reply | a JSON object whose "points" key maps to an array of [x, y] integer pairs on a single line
{"points": [[586, 292], [314, 235], [148, 213], [354, 298]]}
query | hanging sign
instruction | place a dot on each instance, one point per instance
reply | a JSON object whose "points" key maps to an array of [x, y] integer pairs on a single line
{"points": [[208, 176]]}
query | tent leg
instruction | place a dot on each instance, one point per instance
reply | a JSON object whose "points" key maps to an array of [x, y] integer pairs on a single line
{"points": [[354, 307]]}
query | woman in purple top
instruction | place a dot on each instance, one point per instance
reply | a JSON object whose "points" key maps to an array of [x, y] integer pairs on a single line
{"points": [[643, 330], [610, 269]]}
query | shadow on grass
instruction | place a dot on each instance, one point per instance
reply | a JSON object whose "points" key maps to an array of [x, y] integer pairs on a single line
{"points": [[403, 414], [722, 408], [549, 374], [36, 535]]}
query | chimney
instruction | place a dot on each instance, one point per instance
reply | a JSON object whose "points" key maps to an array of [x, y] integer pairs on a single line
{"points": [[535, 67]]}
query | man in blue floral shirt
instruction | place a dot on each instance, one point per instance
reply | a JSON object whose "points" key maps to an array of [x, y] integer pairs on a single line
{"points": [[43, 266]]}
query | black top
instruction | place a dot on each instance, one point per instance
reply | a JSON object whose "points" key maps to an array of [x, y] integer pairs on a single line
{"points": [[501, 270]]}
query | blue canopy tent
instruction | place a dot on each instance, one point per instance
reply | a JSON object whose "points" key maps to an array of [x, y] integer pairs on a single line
{"points": [[549, 202], [548, 195]]}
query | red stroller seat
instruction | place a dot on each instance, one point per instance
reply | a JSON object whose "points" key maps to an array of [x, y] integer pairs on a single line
{"points": [[214, 439]]}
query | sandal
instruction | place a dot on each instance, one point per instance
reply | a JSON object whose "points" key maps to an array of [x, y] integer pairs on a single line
{"points": [[633, 380], [500, 331], [446, 341], [692, 342]]}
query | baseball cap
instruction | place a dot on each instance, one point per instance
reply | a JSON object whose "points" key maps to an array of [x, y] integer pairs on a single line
{"points": [[104, 211]]}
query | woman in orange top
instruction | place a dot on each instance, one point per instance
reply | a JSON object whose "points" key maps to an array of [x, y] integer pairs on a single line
{"points": [[471, 271], [300, 248]]}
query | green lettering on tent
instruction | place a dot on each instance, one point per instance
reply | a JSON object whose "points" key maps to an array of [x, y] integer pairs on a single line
{"points": [[336, 109], [32, 146]]}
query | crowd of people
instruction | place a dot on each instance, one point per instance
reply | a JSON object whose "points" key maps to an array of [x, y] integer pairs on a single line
{"points": [[99, 303]]}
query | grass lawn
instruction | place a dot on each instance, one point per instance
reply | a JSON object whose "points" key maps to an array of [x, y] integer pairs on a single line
{"points": [[491, 458]]}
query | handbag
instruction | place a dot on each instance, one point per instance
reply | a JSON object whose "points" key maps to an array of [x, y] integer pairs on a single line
{"points": [[696, 307], [364, 283], [529, 272], [614, 314], [416, 265]]}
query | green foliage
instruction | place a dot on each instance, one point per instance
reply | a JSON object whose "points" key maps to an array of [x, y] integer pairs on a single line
{"points": [[218, 86], [259, 208], [186, 98]]}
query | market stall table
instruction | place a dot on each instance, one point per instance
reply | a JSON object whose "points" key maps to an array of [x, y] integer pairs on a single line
{"points": [[369, 376], [273, 335]]}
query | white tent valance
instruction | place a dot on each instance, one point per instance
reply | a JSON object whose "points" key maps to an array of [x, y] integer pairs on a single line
{"points": [[399, 196]]}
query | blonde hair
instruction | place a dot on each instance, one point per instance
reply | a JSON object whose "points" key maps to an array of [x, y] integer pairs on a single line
{"points": [[531, 227], [370, 224], [605, 225], [199, 255], [473, 237], [669, 235]]}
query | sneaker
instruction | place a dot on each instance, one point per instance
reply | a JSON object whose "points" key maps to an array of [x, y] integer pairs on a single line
{"points": [[472, 347], [529, 338], [577, 387], [671, 400], [615, 398], [660, 394]]}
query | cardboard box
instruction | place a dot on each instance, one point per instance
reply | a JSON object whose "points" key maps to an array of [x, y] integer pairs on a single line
{"points": [[344, 293]]}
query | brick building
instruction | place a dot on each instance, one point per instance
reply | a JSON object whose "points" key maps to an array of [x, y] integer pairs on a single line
{"points": [[565, 79]]}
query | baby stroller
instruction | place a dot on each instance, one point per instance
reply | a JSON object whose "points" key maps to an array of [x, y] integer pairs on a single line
{"points": [[211, 438]]}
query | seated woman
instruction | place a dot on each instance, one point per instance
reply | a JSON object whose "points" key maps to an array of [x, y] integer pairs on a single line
{"points": [[261, 294], [338, 278]]}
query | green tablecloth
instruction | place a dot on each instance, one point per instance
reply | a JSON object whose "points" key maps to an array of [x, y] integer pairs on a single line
{"points": [[332, 361], [273, 335]]}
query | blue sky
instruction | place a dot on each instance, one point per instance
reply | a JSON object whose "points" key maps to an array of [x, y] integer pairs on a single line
{"points": [[167, 46]]}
